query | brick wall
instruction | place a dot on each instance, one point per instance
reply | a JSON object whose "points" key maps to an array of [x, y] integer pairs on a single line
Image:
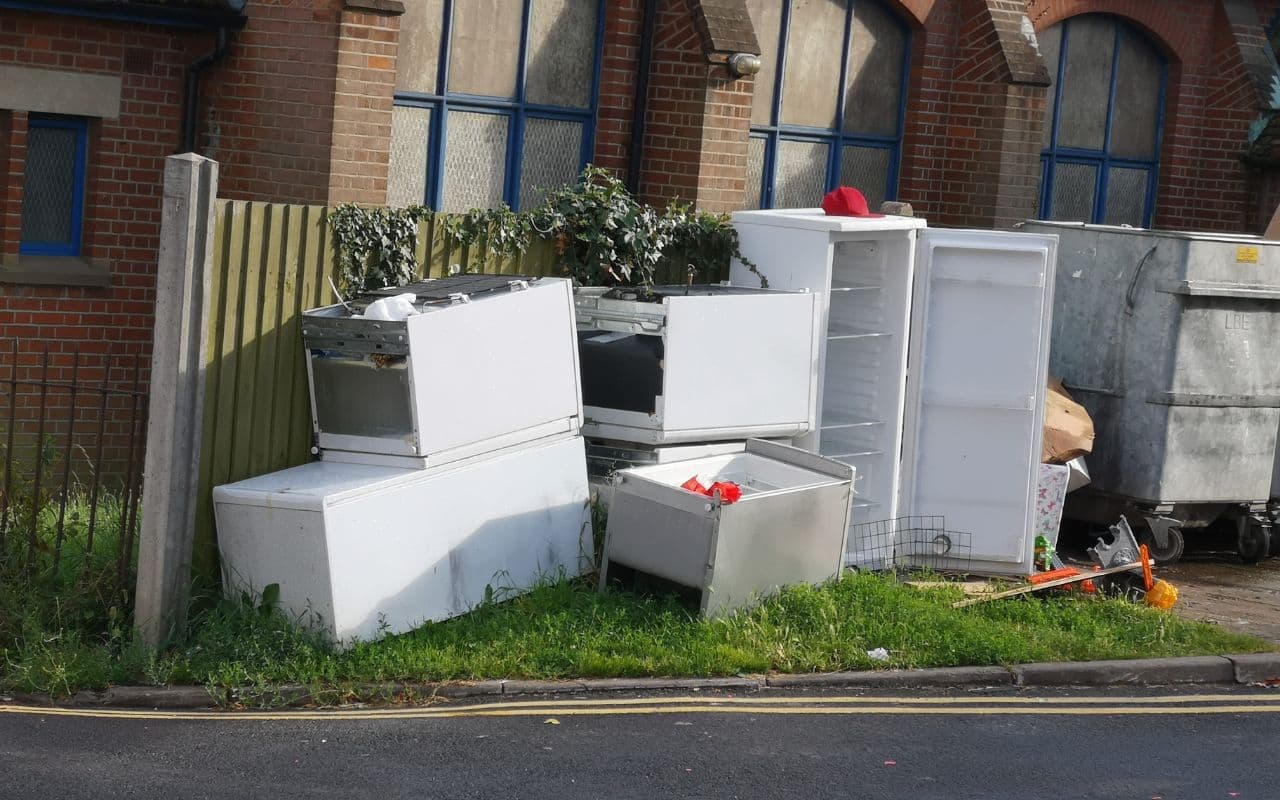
{"points": [[268, 106], [121, 227], [124, 175], [699, 114], [622, 34], [364, 88]]}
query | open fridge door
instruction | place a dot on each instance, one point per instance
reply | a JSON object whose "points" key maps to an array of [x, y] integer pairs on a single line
{"points": [[977, 370]]}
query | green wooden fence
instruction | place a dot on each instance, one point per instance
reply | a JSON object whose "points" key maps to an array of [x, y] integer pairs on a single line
{"points": [[271, 262]]}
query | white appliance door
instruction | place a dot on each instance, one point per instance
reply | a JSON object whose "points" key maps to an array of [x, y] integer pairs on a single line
{"points": [[979, 356]]}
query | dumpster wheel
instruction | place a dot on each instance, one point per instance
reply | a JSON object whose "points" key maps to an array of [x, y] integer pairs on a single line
{"points": [[1253, 541], [1171, 550]]}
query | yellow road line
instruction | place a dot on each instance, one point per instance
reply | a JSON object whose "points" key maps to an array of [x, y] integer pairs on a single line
{"points": [[1085, 706]]}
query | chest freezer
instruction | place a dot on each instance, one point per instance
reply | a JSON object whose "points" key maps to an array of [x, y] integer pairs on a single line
{"points": [[933, 367], [489, 362], [697, 363], [358, 549], [788, 527]]}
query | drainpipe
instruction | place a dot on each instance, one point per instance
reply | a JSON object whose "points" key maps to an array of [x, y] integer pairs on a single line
{"points": [[640, 107], [191, 108]]}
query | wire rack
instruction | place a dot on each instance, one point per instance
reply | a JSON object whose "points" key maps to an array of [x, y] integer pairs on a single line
{"points": [[912, 543]]}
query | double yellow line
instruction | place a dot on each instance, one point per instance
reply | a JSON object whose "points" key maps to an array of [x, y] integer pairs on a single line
{"points": [[718, 704]]}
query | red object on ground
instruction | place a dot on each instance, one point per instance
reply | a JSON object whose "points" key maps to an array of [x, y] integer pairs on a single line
{"points": [[729, 492]]}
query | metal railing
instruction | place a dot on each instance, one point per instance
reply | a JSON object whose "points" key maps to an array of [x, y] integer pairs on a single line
{"points": [[72, 431]]}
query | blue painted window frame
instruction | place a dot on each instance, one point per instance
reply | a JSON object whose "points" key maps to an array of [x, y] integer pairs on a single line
{"points": [[81, 127], [1102, 160], [517, 110], [835, 138]]}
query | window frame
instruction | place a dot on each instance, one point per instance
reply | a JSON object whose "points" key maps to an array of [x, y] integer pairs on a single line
{"points": [[80, 125], [1102, 160], [516, 109], [835, 138]]}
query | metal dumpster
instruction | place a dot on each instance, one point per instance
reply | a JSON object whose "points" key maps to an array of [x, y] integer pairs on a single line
{"points": [[1171, 341]]}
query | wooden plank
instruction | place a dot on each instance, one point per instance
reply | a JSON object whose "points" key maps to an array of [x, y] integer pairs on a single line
{"points": [[247, 343], [316, 264], [205, 549], [422, 247], [288, 333], [267, 340], [443, 251], [1036, 587]]}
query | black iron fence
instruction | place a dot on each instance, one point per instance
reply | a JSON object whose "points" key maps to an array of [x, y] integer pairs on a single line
{"points": [[72, 430]]}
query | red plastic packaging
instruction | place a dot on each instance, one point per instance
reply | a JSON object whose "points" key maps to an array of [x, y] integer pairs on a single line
{"points": [[693, 486], [729, 491]]}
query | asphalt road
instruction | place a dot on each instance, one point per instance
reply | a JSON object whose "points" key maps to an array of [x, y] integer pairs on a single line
{"points": [[999, 744]]}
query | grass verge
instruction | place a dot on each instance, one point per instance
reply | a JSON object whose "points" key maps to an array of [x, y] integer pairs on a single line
{"points": [[567, 629]]}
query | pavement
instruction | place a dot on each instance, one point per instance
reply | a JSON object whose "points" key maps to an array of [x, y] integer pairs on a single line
{"points": [[1215, 587], [932, 743]]}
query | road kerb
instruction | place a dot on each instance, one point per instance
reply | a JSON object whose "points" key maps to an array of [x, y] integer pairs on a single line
{"points": [[1141, 671], [1233, 669], [893, 679]]}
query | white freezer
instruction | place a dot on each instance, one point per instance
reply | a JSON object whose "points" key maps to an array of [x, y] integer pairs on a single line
{"points": [[360, 550], [959, 435]]}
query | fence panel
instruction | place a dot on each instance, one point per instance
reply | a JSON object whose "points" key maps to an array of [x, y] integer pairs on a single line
{"points": [[271, 262], [72, 431]]}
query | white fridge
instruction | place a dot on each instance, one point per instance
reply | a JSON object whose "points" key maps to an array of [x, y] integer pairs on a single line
{"points": [[932, 371]]}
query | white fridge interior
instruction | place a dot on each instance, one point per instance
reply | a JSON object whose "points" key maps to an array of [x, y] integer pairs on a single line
{"points": [[932, 370]]}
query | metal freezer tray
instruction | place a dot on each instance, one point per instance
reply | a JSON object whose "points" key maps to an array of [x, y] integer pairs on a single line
{"points": [[789, 526], [441, 290]]}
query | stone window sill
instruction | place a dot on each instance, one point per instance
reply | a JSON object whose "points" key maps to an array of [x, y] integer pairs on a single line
{"points": [[55, 271]]}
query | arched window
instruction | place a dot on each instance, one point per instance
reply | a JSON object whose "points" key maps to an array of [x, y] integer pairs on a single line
{"points": [[828, 102], [495, 100], [1102, 143]]}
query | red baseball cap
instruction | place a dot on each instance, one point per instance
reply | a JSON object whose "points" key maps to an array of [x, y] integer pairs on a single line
{"points": [[845, 201]]}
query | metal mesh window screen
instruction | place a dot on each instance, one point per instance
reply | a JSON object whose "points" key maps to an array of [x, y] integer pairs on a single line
{"points": [[1126, 197], [1107, 108], [811, 77], [877, 47], [801, 177], [1050, 48], [1137, 107], [49, 186], [550, 157], [766, 15], [1086, 82], [407, 171], [867, 170], [562, 51], [485, 47], [475, 160], [1073, 192], [755, 172], [418, 53]]}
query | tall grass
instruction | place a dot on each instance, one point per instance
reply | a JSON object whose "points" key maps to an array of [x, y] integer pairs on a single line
{"points": [[63, 615]]}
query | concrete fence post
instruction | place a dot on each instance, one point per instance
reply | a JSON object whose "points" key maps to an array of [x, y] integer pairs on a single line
{"points": [[171, 469]]}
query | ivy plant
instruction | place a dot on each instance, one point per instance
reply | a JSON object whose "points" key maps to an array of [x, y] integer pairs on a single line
{"points": [[375, 245], [602, 234]]}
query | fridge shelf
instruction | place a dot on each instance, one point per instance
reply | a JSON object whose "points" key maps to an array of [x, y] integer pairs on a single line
{"points": [[836, 419], [859, 454], [842, 329], [855, 287]]}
